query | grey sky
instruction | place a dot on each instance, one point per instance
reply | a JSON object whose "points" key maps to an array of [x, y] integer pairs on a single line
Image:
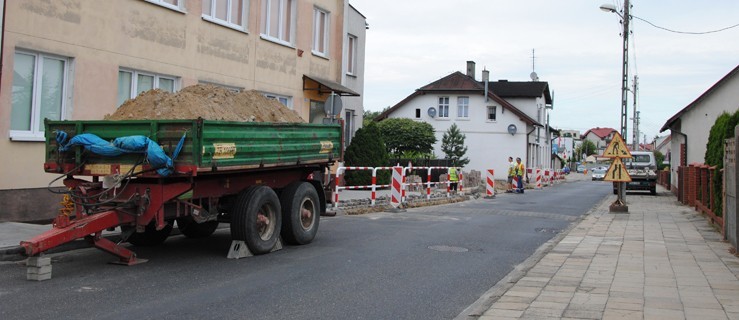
{"points": [[578, 51]]}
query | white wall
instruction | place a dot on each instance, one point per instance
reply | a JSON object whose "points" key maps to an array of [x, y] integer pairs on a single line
{"points": [[488, 142], [696, 123], [354, 24]]}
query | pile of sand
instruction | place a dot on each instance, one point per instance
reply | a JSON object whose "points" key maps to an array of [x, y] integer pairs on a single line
{"points": [[205, 101]]}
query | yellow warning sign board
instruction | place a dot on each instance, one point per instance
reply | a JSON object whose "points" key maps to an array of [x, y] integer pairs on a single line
{"points": [[617, 148], [617, 172]]}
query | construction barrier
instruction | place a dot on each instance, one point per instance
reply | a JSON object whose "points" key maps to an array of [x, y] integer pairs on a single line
{"points": [[538, 178], [372, 186], [402, 182], [490, 183], [397, 183]]}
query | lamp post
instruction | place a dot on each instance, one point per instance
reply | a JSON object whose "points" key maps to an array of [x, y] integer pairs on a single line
{"points": [[620, 204]]}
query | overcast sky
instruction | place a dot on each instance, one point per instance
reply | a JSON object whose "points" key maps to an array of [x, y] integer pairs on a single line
{"points": [[578, 49]]}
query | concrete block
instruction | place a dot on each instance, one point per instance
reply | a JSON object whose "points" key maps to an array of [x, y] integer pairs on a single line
{"points": [[38, 261], [38, 277], [38, 270]]}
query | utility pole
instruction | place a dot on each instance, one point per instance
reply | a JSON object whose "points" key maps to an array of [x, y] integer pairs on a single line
{"points": [[635, 136], [637, 120], [625, 71]]}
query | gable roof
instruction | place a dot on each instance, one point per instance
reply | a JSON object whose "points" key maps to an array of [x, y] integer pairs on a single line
{"points": [[458, 82], [693, 104], [602, 133], [521, 89]]}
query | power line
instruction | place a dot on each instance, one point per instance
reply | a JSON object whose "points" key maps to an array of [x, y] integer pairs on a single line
{"points": [[685, 32]]}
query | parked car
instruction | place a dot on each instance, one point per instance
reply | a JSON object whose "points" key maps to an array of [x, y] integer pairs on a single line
{"points": [[642, 169], [599, 174], [581, 169]]}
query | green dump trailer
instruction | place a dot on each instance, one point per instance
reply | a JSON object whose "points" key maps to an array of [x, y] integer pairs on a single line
{"points": [[264, 179]]}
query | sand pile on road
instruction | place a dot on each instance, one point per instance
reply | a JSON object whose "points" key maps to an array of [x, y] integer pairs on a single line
{"points": [[205, 101]]}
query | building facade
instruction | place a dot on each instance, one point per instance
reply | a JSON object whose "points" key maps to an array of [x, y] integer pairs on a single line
{"points": [[691, 126], [495, 128], [80, 60]]}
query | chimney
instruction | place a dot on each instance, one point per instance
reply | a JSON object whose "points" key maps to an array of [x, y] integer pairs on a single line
{"points": [[471, 69], [486, 81]]}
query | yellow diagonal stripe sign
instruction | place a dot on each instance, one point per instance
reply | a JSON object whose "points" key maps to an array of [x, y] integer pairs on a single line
{"points": [[617, 148], [617, 172]]}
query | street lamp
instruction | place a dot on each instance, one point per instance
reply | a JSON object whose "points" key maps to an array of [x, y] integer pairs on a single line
{"points": [[620, 205]]}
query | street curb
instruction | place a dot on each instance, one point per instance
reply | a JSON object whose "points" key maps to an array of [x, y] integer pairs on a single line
{"points": [[476, 309]]}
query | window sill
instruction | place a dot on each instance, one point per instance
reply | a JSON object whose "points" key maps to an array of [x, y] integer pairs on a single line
{"points": [[491, 121], [277, 41], [224, 24], [443, 119], [319, 55], [351, 75], [463, 119], [27, 138], [167, 6]]}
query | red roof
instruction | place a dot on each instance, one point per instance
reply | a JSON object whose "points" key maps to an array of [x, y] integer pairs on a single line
{"points": [[600, 132]]}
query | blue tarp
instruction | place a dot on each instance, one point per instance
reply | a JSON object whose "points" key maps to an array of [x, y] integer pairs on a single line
{"points": [[131, 144]]}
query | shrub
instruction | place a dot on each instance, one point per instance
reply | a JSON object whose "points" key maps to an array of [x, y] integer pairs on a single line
{"points": [[366, 150], [721, 130]]}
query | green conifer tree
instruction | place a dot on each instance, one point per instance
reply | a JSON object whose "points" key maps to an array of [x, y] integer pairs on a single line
{"points": [[452, 144]]}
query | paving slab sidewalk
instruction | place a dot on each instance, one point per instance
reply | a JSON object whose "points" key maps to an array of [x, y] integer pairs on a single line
{"points": [[662, 260]]}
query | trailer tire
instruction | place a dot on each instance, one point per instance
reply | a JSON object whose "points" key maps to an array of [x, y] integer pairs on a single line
{"points": [[257, 219], [301, 213], [150, 237], [194, 230]]}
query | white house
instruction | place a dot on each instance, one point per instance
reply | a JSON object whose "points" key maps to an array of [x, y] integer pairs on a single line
{"points": [[495, 128], [690, 127], [600, 137]]}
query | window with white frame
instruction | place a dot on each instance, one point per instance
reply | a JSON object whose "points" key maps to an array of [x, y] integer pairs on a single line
{"points": [[278, 20], [443, 107], [351, 58], [492, 113], [285, 100], [39, 92], [172, 4], [348, 127], [132, 82], [463, 107], [320, 32], [230, 13]]}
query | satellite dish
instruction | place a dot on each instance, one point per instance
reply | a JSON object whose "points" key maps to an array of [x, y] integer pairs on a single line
{"points": [[333, 105], [512, 129], [432, 112], [534, 76]]}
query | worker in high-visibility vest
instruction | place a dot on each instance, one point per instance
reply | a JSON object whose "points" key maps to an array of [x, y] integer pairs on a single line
{"points": [[520, 172], [511, 174], [453, 179]]}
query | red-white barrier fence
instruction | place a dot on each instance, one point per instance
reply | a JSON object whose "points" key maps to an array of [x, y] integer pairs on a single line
{"points": [[401, 182]]}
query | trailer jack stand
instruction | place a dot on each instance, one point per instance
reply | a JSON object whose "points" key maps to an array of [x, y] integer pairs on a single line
{"points": [[126, 257]]}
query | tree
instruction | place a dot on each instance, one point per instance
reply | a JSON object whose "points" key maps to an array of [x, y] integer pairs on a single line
{"points": [[405, 136], [659, 158], [587, 147], [368, 150], [452, 144], [369, 116]]}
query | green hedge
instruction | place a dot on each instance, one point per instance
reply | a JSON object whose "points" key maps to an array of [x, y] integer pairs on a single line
{"points": [[721, 130]]}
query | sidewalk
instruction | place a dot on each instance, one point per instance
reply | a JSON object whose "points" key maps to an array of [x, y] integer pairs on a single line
{"points": [[660, 261]]}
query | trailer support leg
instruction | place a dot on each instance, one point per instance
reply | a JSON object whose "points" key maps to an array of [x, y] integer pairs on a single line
{"points": [[126, 257]]}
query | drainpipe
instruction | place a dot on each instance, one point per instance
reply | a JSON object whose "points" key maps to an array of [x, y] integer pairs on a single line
{"points": [[2, 44]]}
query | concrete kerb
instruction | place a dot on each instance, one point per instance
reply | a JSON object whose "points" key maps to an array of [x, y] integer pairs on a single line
{"points": [[479, 307]]}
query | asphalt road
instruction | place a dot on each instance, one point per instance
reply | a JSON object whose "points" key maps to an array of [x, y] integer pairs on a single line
{"points": [[426, 263]]}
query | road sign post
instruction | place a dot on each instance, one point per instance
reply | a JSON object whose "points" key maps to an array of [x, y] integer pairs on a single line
{"points": [[617, 173]]}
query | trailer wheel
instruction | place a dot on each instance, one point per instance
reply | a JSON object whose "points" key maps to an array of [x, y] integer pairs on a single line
{"points": [[256, 219], [150, 237], [300, 213], [194, 230]]}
